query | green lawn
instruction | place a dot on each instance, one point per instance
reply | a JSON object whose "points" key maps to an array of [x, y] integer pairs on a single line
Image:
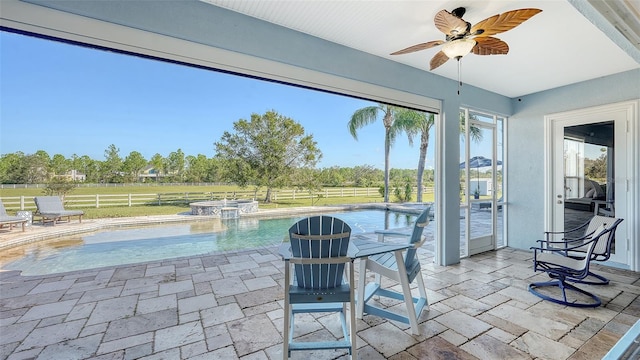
{"points": [[143, 210]]}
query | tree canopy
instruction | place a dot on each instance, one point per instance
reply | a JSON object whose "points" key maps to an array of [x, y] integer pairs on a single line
{"points": [[266, 151]]}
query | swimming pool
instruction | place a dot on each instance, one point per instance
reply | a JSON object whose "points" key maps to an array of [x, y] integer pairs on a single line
{"points": [[151, 243]]}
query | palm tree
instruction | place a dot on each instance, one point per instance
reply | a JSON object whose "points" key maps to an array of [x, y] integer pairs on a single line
{"points": [[419, 122], [393, 125], [474, 132]]}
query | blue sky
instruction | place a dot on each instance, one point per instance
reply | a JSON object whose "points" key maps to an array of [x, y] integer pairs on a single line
{"points": [[66, 99]]}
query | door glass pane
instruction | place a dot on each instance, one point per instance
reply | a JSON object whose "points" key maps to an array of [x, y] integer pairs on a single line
{"points": [[588, 172], [481, 182]]}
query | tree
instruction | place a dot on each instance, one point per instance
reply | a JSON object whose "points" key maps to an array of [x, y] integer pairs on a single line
{"points": [[419, 123], [365, 175], [403, 190], [112, 165], [12, 168], [197, 168], [89, 167], [59, 164], [266, 150], [37, 167], [59, 186], [157, 161], [332, 176], [176, 164], [393, 125], [596, 168], [308, 179], [133, 165], [475, 133]]}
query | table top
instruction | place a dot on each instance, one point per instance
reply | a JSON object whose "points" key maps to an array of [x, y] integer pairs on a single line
{"points": [[358, 248]]}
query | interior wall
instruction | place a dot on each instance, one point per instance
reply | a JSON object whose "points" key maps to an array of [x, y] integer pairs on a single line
{"points": [[525, 153]]}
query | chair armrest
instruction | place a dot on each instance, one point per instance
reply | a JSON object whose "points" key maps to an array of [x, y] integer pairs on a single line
{"points": [[563, 249]]}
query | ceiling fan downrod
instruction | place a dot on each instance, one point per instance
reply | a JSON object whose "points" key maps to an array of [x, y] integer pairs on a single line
{"points": [[459, 74]]}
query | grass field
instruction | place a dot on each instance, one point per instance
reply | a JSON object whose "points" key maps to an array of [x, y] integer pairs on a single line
{"points": [[143, 210]]}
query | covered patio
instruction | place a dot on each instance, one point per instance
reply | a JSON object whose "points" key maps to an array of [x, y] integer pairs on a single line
{"points": [[230, 305]]}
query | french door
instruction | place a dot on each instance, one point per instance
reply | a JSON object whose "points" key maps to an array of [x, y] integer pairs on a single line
{"points": [[588, 172], [481, 183]]}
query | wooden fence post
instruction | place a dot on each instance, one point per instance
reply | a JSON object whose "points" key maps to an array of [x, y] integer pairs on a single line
{"points": [[129, 200], [22, 202], [97, 201]]}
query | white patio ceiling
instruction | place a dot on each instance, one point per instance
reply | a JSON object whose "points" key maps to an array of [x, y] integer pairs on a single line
{"points": [[557, 47]]}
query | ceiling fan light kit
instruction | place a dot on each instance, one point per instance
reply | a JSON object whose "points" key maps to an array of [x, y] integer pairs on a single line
{"points": [[458, 48]]}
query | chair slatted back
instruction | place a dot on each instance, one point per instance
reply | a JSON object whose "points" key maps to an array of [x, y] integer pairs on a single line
{"points": [[416, 236], [319, 237], [48, 204]]}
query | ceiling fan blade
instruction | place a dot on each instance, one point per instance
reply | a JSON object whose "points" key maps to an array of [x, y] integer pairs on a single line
{"points": [[502, 22], [418, 47], [438, 59], [487, 45], [449, 24]]}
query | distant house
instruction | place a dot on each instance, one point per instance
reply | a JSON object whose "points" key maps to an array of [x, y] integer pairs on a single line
{"points": [[73, 175], [149, 172]]}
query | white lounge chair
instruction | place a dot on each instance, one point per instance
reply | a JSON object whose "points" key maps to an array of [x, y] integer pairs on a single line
{"points": [[50, 208], [6, 219]]}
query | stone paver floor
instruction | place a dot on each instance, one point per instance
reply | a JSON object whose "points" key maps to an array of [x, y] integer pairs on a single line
{"points": [[229, 306]]}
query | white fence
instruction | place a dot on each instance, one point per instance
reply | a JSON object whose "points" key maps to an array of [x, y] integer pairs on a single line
{"points": [[109, 185], [104, 200]]}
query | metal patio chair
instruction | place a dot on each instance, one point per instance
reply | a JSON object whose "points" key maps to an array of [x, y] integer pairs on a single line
{"points": [[387, 265], [583, 233], [319, 247], [564, 269]]}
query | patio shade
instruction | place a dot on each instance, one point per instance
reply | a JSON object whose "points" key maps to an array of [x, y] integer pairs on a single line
{"points": [[477, 162]]}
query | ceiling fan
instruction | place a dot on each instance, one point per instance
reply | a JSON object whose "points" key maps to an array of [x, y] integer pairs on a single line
{"points": [[462, 38]]}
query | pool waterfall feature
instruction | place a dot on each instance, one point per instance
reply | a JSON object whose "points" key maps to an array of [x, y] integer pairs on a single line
{"points": [[224, 209]]}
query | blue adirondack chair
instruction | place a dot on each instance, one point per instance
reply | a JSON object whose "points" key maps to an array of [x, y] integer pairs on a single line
{"points": [[318, 255], [387, 265]]}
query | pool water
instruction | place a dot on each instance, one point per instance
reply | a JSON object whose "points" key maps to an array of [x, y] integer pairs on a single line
{"points": [[151, 243]]}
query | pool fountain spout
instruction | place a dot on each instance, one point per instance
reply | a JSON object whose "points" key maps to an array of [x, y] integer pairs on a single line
{"points": [[224, 209]]}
